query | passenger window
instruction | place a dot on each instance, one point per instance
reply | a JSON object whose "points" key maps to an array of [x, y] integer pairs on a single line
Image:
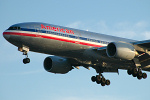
{"points": [[66, 35], [76, 37], [38, 30], [19, 28]]}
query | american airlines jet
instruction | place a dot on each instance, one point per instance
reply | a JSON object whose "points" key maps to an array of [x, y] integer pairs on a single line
{"points": [[72, 48]]}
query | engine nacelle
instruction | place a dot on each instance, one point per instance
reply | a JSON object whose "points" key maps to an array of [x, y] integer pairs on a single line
{"points": [[57, 64], [121, 50]]}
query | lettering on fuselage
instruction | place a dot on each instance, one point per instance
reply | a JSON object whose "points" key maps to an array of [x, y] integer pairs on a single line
{"points": [[58, 29]]}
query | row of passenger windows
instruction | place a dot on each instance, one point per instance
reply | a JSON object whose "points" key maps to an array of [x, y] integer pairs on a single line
{"points": [[59, 34], [76, 37]]}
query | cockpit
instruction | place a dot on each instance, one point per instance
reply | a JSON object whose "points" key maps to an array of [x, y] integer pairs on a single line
{"points": [[14, 28]]}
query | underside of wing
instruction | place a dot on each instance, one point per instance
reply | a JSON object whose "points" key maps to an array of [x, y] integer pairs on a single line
{"points": [[143, 48], [145, 61]]}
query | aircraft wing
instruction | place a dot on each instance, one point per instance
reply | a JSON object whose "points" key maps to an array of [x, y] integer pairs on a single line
{"points": [[144, 57], [145, 43]]}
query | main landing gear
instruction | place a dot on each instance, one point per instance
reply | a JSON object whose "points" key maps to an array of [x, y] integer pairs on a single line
{"points": [[25, 51], [137, 72], [99, 79]]}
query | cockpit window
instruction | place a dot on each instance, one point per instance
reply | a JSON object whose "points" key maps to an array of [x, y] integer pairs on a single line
{"points": [[14, 28]]}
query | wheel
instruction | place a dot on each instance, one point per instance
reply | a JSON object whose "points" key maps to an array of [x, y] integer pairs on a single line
{"points": [[107, 82], [139, 77], [98, 77], [102, 84], [134, 75], [139, 73], [103, 80], [93, 78], [134, 72], [26, 60], [98, 82], [129, 71], [144, 75]]}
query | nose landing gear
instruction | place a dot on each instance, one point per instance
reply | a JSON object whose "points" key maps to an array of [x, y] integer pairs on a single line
{"points": [[25, 51], [26, 60]]}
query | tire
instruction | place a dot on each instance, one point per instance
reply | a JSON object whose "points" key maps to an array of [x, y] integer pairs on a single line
{"points": [[129, 71], [134, 72], [27, 60], [24, 61], [139, 77], [144, 75], [93, 78], [102, 84], [139, 73], [98, 82], [103, 80], [134, 75], [98, 78], [107, 82]]}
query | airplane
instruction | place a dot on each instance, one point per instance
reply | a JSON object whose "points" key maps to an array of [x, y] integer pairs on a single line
{"points": [[70, 48]]}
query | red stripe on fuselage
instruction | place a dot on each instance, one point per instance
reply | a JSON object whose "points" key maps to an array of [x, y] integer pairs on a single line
{"points": [[50, 37]]}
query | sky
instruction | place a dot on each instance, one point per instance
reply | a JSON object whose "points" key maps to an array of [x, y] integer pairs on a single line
{"points": [[123, 18]]}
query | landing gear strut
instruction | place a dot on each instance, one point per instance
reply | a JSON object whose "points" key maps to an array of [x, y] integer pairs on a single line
{"points": [[25, 51]]}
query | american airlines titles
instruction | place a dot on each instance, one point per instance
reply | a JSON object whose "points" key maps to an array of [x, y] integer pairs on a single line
{"points": [[58, 29]]}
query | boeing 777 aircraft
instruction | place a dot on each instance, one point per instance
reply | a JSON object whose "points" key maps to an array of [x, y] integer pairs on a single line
{"points": [[72, 48]]}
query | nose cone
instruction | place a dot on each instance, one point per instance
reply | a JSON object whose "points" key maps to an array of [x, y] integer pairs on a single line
{"points": [[6, 36]]}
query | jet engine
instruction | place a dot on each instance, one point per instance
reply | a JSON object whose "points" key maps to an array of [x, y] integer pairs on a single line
{"points": [[121, 50], [57, 64]]}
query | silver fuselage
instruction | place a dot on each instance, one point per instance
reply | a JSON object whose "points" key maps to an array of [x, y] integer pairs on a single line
{"points": [[66, 42]]}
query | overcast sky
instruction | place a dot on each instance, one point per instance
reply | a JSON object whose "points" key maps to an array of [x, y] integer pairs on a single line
{"points": [[123, 18]]}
